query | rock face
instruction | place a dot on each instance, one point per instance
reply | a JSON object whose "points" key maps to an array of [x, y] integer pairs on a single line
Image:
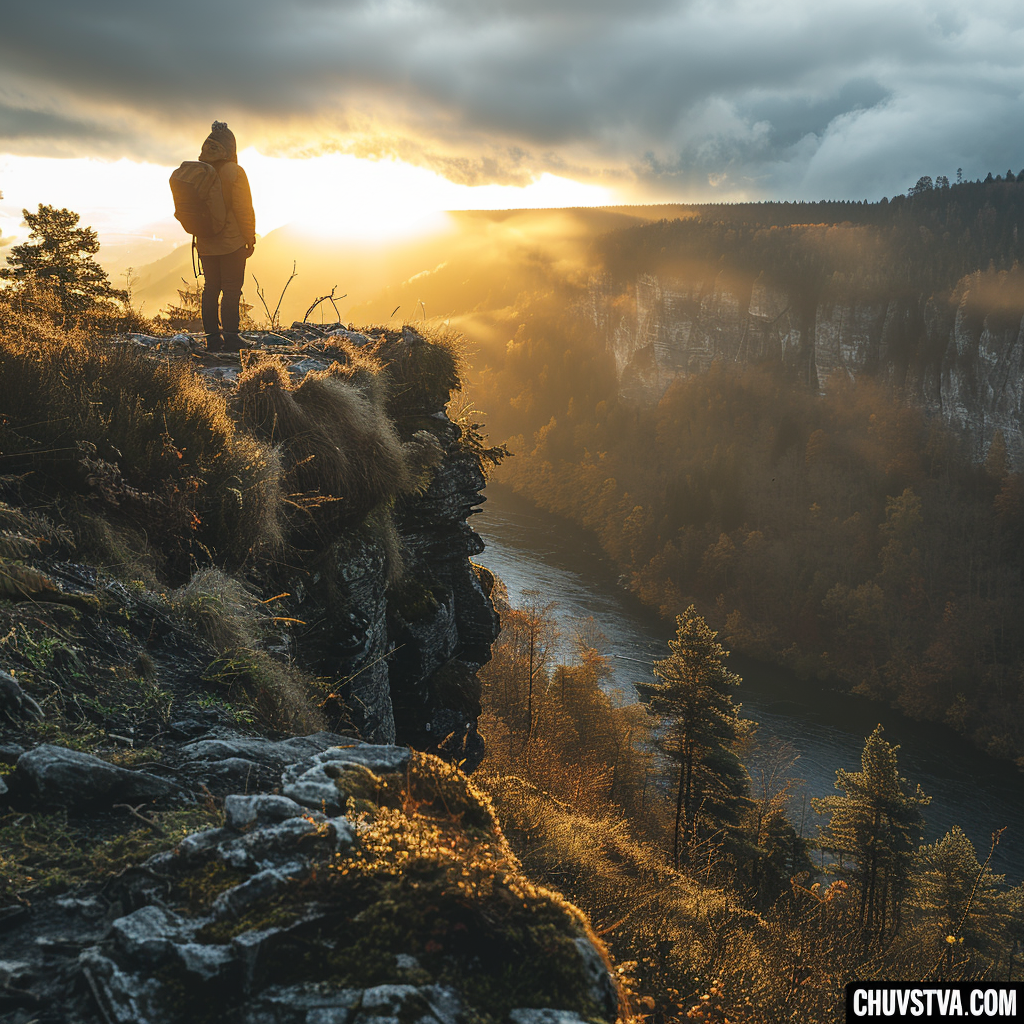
{"points": [[356, 896], [396, 647], [406, 650], [954, 358]]}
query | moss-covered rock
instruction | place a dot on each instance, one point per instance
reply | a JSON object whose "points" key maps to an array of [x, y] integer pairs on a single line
{"points": [[410, 906]]}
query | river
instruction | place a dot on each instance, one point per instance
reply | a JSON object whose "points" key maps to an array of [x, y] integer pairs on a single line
{"points": [[531, 550]]}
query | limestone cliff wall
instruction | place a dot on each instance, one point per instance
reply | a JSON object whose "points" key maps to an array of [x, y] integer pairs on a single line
{"points": [[958, 364]]}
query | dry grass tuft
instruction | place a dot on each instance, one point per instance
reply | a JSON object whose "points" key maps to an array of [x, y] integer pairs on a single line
{"points": [[144, 441], [341, 446], [279, 696], [424, 366], [222, 610]]}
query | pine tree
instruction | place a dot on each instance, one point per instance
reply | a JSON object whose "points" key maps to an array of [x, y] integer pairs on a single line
{"points": [[878, 823], [963, 894], [701, 728], [61, 260]]}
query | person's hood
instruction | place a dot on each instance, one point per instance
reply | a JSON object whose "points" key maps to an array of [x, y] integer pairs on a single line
{"points": [[219, 144]]}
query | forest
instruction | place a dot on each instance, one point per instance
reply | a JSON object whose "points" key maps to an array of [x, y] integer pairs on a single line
{"points": [[714, 905], [844, 534]]}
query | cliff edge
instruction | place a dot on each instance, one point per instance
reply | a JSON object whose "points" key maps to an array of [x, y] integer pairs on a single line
{"points": [[239, 632]]}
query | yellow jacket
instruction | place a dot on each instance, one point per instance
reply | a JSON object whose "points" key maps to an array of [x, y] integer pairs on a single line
{"points": [[240, 228]]}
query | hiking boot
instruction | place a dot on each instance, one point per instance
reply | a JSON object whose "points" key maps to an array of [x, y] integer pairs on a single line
{"points": [[232, 343]]}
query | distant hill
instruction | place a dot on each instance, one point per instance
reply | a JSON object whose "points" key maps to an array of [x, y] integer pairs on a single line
{"points": [[486, 256]]}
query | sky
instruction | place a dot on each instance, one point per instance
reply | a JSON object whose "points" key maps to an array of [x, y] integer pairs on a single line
{"points": [[355, 113]]}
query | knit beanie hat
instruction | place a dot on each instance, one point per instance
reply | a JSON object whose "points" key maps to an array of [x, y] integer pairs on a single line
{"points": [[219, 144]]}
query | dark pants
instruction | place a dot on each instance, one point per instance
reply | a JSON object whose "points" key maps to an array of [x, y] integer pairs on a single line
{"points": [[222, 274]]}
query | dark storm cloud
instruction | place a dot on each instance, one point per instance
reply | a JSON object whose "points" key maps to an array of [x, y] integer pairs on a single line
{"points": [[767, 98], [23, 122]]}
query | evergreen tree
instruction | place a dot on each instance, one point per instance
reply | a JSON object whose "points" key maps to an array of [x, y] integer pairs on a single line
{"points": [[879, 823], [701, 728], [963, 894], [61, 260]]}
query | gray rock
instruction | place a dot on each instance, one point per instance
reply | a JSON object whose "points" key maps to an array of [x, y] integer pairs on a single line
{"points": [[148, 933], [344, 833], [277, 753], [308, 1003], [298, 370], [545, 1017], [129, 998], [262, 885], [427, 1005], [266, 846], [444, 1003], [15, 703], [13, 971], [316, 789], [87, 906], [601, 987], [242, 811], [3, 786], [199, 844], [69, 777], [378, 757], [206, 962], [246, 948], [388, 999], [310, 783]]}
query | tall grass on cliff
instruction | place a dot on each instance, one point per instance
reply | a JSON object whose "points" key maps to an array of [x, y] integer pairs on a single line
{"points": [[333, 425], [343, 456], [105, 430]]}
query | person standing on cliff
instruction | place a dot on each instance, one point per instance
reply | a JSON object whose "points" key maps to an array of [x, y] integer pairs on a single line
{"points": [[223, 255]]}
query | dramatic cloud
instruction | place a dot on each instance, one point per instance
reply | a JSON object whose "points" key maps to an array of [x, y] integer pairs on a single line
{"points": [[667, 98]]}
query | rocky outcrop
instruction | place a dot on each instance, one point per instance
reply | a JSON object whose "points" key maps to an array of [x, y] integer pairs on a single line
{"points": [[398, 647], [952, 356], [214, 812], [395, 610], [356, 894]]}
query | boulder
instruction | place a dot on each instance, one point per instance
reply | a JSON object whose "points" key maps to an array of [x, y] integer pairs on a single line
{"points": [[242, 811], [56, 775], [148, 933]]}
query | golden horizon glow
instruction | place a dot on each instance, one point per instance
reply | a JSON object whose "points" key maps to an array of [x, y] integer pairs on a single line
{"points": [[336, 195]]}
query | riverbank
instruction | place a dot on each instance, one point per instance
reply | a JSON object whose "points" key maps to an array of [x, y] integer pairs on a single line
{"points": [[530, 549]]}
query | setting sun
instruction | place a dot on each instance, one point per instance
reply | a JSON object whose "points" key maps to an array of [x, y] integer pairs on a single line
{"points": [[337, 196]]}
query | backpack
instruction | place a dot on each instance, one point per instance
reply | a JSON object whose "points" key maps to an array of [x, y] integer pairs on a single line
{"points": [[199, 198]]}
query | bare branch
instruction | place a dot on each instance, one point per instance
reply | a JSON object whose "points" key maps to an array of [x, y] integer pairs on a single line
{"points": [[326, 298]]}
